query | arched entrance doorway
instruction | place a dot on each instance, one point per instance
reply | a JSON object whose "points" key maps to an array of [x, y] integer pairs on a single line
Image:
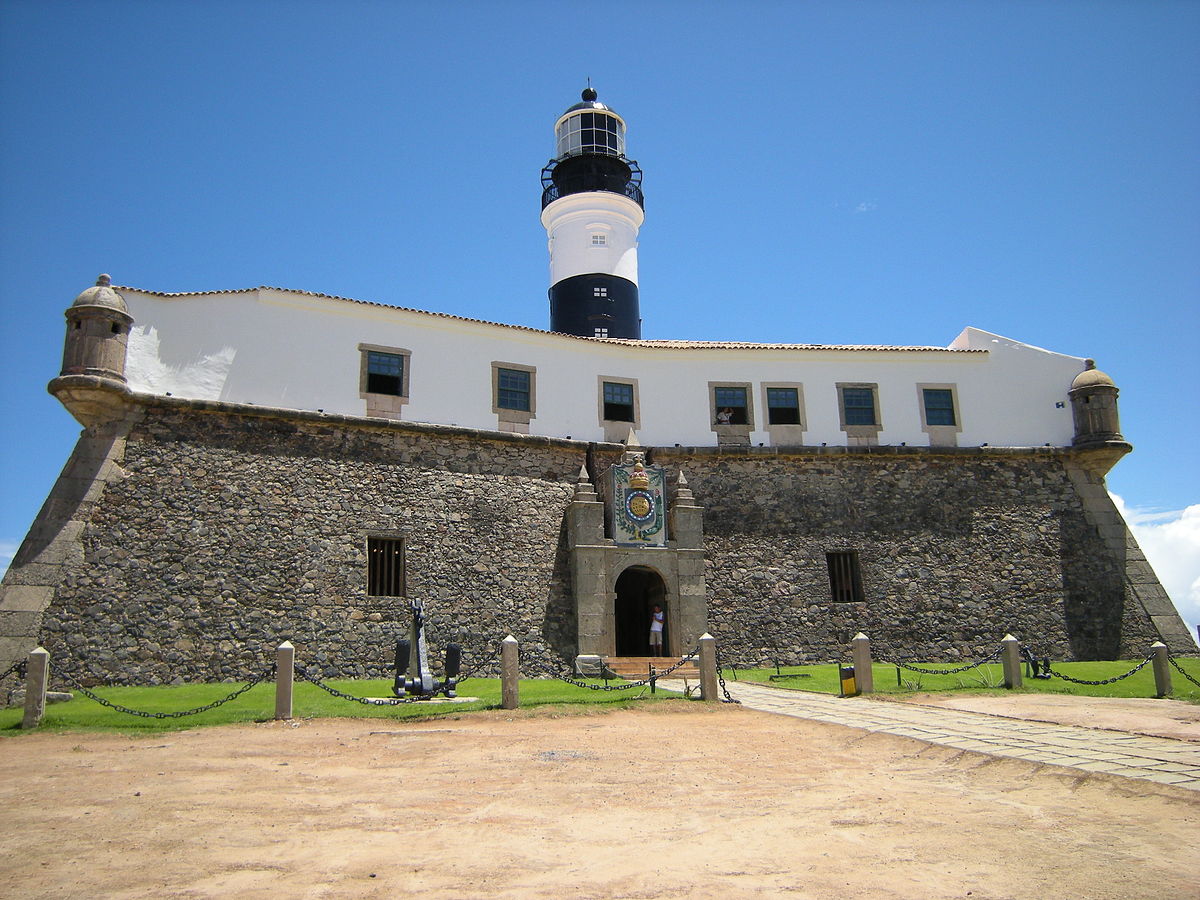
{"points": [[638, 590]]}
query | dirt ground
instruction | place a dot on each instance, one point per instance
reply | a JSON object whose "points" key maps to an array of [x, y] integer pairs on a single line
{"points": [[674, 801]]}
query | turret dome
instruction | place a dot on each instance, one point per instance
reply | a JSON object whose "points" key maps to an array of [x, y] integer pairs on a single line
{"points": [[101, 295], [1091, 377]]}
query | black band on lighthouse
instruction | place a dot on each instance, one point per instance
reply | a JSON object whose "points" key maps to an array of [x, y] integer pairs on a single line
{"points": [[597, 305]]}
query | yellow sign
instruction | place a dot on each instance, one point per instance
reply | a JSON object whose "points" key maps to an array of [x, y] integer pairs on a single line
{"points": [[848, 681]]}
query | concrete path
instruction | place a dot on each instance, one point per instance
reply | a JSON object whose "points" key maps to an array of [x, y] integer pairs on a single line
{"points": [[1092, 750]]}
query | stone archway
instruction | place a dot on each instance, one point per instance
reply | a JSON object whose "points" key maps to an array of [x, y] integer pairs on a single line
{"points": [[638, 589]]}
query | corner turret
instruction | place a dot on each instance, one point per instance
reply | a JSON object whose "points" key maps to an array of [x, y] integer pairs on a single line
{"points": [[97, 333], [92, 382], [1097, 425]]}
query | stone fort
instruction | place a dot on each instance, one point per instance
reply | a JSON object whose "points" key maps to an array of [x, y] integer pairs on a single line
{"points": [[267, 464]]}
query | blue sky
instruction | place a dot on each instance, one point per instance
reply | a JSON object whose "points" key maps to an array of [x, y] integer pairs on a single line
{"points": [[854, 172]]}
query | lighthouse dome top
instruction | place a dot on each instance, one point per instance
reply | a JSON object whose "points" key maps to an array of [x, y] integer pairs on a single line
{"points": [[588, 101]]}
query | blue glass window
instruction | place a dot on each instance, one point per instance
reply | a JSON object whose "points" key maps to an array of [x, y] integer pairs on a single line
{"points": [[731, 405], [939, 407], [859, 406], [385, 373], [783, 406], [512, 389], [618, 401]]}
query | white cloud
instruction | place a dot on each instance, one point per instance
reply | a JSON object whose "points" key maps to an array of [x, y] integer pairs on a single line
{"points": [[1171, 542], [866, 206]]}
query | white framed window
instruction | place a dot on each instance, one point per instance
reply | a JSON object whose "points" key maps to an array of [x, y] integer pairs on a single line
{"points": [[599, 240], [859, 414], [601, 333], [785, 418], [618, 406], [600, 292], [383, 379], [514, 395], [940, 418]]}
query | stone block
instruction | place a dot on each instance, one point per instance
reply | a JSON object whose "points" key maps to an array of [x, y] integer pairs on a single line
{"points": [[25, 597]]}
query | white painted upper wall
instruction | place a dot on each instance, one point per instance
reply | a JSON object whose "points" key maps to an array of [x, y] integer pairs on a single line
{"points": [[279, 348]]}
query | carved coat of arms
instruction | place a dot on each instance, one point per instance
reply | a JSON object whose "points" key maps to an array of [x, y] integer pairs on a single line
{"points": [[637, 503]]}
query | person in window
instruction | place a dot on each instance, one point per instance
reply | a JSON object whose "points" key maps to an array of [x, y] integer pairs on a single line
{"points": [[725, 416], [656, 630]]}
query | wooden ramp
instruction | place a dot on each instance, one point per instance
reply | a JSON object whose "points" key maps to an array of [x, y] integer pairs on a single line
{"points": [[635, 668]]}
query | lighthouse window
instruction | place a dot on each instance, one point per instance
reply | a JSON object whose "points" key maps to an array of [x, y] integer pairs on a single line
{"points": [[600, 292], [591, 133], [513, 389], [599, 240]]}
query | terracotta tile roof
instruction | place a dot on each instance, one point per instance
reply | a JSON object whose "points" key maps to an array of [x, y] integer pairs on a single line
{"points": [[628, 342]]}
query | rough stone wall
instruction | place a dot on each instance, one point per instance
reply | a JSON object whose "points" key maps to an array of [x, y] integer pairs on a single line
{"points": [[956, 550], [228, 534], [216, 532]]}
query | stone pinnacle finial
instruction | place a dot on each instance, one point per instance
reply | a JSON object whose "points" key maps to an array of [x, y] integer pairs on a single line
{"points": [[632, 439], [683, 493], [583, 485]]}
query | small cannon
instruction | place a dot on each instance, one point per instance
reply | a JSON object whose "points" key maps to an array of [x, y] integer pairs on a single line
{"points": [[413, 675]]}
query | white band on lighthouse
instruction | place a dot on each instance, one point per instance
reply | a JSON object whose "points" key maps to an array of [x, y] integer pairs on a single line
{"points": [[593, 233]]}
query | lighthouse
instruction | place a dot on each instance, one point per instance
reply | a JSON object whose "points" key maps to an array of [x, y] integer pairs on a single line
{"points": [[592, 209]]}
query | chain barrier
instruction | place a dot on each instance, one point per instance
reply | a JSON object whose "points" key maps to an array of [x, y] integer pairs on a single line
{"points": [[621, 687], [1179, 668], [927, 671], [721, 682], [1115, 678], [18, 669], [258, 679], [482, 664], [365, 701]]}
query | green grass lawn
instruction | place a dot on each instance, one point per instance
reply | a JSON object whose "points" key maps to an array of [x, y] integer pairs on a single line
{"points": [[308, 701], [824, 679]]}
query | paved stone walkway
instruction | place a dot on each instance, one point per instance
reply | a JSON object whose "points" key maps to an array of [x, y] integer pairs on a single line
{"points": [[1090, 749]]}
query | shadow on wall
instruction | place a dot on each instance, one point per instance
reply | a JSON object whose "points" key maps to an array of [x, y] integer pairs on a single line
{"points": [[1093, 591], [560, 630]]}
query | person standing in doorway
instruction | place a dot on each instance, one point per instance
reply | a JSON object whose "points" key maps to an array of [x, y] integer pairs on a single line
{"points": [[656, 630]]}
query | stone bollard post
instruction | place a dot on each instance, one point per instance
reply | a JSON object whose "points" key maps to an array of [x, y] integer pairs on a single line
{"points": [[285, 670], [860, 649], [1010, 657], [1162, 670], [510, 674], [37, 673], [708, 667]]}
